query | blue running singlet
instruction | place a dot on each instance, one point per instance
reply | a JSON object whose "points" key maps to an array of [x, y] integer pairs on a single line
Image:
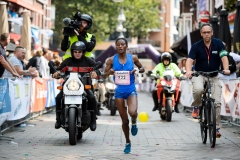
{"points": [[128, 66]]}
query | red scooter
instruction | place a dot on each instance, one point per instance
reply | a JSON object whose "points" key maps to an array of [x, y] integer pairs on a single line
{"points": [[168, 90]]}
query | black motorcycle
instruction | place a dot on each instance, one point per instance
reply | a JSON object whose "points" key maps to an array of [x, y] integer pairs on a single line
{"points": [[75, 117], [110, 102]]}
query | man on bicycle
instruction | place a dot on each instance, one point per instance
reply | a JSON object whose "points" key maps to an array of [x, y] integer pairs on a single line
{"points": [[207, 54]]}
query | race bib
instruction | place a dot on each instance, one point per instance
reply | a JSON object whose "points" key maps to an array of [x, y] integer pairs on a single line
{"points": [[122, 77]]}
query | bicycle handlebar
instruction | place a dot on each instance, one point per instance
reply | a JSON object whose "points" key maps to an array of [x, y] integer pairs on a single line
{"points": [[206, 74]]}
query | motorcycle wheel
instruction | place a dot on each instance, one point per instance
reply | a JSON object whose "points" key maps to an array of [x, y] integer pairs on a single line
{"points": [[113, 107], [72, 127], [80, 133], [169, 110], [162, 116]]}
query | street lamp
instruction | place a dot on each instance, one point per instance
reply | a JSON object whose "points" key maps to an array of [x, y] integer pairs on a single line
{"points": [[121, 19]]}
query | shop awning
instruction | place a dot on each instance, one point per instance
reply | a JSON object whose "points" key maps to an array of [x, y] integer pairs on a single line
{"points": [[180, 46]]}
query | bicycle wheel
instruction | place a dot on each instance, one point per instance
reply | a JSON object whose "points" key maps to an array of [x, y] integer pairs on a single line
{"points": [[212, 124], [203, 124]]}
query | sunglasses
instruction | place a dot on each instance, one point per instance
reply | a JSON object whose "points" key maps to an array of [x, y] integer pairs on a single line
{"points": [[77, 51]]}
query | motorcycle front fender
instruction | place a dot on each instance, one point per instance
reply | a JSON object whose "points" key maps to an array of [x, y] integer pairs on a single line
{"points": [[79, 113]]}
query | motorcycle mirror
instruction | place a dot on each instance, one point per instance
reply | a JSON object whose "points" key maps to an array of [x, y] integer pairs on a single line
{"points": [[149, 72], [98, 65]]}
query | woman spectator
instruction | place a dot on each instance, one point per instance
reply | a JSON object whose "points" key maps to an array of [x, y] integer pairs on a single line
{"points": [[35, 61]]}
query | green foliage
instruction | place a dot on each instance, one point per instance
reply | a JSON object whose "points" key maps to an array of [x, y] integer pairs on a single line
{"points": [[140, 15], [230, 5]]}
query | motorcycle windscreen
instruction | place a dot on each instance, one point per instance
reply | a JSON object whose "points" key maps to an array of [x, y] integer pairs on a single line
{"points": [[168, 74]]}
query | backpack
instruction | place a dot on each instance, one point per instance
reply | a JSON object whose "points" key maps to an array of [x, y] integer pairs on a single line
{"points": [[232, 64]]}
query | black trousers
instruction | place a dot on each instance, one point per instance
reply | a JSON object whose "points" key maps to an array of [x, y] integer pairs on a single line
{"points": [[92, 104]]}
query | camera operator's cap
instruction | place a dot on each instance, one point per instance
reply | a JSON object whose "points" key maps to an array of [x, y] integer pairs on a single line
{"points": [[87, 18]]}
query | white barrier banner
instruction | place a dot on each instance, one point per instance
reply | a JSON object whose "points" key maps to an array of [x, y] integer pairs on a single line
{"points": [[230, 100], [5, 106], [19, 91], [186, 98]]}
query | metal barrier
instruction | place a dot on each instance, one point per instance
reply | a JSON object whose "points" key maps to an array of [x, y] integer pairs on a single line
{"points": [[9, 124]]}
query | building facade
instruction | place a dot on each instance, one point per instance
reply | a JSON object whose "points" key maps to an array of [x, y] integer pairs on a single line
{"points": [[41, 20]]}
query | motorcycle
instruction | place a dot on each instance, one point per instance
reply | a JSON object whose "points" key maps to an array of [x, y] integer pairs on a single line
{"points": [[110, 98], [99, 91], [75, 118], [168, 89]]}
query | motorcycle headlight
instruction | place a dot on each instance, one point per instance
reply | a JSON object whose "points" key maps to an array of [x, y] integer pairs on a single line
{"points": [[73, 85], [173, 87], [163, 83], [110, 85]]}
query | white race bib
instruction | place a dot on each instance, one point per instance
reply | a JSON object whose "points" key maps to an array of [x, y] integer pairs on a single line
{"points": [[122, 77]]}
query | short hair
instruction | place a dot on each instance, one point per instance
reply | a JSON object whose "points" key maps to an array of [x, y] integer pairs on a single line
{"points": [[44, 51], [205, 24], [39, 53], [4, 36], [19, 47], [122, 38]]}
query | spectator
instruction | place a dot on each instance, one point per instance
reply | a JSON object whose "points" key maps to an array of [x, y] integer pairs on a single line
{"points": [[5, 64], [35, 61], [16, 61], [182, 64], [12, 12], [45, 69], [236, 58], [54, 63]]}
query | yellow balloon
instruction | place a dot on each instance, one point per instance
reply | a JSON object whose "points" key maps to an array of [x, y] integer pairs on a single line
{"points": [[143, 116]]}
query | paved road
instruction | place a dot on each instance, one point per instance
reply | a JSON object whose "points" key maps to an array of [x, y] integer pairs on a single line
{"points": [[179, 139]]}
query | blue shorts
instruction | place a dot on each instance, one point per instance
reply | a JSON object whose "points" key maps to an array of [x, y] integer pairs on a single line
{"points": [[125, 95]]}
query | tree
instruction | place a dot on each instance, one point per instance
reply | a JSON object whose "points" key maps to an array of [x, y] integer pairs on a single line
{"points": [[140, 15]]}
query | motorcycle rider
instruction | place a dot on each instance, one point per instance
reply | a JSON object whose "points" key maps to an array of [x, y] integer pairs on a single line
{"points": [[166, 62], [78, 49], [80, 35]]}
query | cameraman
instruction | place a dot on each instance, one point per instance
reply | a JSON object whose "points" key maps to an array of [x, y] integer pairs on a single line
{"points": [[81, 34]]}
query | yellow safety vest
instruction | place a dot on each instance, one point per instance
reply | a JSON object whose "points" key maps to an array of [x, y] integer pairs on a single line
{"points": [[74, 39]]}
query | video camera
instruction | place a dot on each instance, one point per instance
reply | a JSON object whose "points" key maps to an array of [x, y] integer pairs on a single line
{"points": [[72, 24]]}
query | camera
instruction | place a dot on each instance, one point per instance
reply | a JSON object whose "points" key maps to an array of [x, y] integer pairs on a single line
{"points": [[72, 24]]}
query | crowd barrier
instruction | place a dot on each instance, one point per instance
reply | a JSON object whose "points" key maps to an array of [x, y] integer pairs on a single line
{"points": [[22, 99], [230, 99]]}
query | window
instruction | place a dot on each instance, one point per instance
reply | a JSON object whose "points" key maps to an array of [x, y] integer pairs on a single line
{"points": [[175, 18], [176, 3], [175, 37]]}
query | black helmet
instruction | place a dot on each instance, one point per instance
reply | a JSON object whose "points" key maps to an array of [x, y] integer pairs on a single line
{"points": [[166, 55], [87, 18], [78, 45]]}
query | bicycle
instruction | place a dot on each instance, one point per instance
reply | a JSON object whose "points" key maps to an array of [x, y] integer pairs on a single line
{"points": [[207, 113]]}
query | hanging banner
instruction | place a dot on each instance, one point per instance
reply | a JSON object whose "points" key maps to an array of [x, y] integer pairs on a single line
{"points": [[5, 105], [50, 93], [230, 98], [39, 95], [19, 91]]}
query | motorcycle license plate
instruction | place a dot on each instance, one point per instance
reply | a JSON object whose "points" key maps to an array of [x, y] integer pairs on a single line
{"points": [[73, 100]]}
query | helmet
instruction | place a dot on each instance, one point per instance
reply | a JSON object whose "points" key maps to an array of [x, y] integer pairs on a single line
{"points": [[87, 18], [166, 55], [78, 45]]}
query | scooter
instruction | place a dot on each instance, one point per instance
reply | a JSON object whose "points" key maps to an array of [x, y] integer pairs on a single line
{"points": [[168, 89], [75, 118], [110, 102]]}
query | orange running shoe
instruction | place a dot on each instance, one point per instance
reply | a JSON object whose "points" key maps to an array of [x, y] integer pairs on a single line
{"points": [[195, 112], [218, 134]]}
